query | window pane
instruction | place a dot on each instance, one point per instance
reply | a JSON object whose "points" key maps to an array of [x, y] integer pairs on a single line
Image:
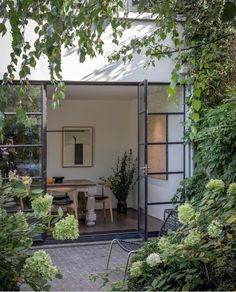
{"points": [[175, 157], [28, 161], [157, 160], [25, 160], [21, 134], [175, 128], [141, 128], [12, 96], [158, 100], [157, 128]]}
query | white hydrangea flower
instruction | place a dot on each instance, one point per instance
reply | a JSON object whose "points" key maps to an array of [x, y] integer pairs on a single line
{"points": [[66, 228], [153, 259], [13, 176], [186, 214], [215, 229], [215, 185], [42, 205], [27, 181], [136, 269], [193, 238], [40, 265], [164, 243]]}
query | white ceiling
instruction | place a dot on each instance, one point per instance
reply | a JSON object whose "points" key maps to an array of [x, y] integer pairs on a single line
{"points": [[97, 92]]}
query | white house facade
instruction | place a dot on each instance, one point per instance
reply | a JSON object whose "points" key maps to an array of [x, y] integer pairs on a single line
{"points": [[108, 98]]}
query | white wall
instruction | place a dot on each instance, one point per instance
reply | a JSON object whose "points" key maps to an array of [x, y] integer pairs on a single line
{"points": [[112, 122], [97, 69]]}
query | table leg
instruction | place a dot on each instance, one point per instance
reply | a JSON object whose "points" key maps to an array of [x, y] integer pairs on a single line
{"points": [[91, 215], [75, 199]]}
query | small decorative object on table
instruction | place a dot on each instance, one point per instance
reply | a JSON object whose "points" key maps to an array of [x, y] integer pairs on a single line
{"points": [[122, 179], [58, 179]]}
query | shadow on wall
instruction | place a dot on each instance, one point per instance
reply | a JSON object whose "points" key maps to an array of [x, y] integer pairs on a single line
{"points": [[98, 69], [118, 70]]}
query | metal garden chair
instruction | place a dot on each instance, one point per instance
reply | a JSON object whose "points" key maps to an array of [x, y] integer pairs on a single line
{"points": [[171, 223]]}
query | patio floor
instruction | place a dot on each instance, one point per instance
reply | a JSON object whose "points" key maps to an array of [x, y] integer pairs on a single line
{"points": [[78, 262]]}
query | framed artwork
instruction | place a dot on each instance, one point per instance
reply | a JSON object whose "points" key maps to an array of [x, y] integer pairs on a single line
{"points": [[77, 146]]}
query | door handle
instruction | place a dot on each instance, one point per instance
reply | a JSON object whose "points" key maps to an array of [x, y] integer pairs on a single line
{"points": [[145, 169]]}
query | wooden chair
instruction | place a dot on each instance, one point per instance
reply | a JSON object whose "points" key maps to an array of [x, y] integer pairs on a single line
{"points": [[61, 199], [105, 198]]}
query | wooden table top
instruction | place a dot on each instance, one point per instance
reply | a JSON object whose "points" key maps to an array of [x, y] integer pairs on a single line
{"points": [[73, 183]]}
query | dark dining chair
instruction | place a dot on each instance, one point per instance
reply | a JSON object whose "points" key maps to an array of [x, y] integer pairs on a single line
{"points": [[105, 198], [171, 223]]}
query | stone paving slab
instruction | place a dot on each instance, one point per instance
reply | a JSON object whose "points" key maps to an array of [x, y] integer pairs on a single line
{"points": [[77, 263]]}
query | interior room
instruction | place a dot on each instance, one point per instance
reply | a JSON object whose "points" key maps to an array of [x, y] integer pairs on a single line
{"points": [[108, 116]]}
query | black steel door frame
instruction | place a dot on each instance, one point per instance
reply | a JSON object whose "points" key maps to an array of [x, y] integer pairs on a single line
{"points": [[148, 173], [142, 170]]}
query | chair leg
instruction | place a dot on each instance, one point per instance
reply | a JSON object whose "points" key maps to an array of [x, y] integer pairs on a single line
{"points": [[104, 209], [111, 213], [127, 263], [110, 250]]}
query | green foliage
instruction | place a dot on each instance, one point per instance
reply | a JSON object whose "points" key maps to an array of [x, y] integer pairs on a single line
{"points": [[200, 256], [122, 179], [215, 149], [18, 229], [66, 228], [58, 25], [39, 268]]}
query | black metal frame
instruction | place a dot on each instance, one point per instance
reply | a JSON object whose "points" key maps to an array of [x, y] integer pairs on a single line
{"points": [[143, 84], [167, 143], [43, 144]]}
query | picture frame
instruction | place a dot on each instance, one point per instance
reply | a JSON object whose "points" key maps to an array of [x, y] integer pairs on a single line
{"points": [[77, 146]]}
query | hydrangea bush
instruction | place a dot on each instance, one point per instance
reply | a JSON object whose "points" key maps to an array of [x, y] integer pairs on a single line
{"points": [[199, 256], [66, 228], [17, 266]]}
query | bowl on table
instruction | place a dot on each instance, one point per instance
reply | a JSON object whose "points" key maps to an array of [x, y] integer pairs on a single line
{"points": [[58, 179]]}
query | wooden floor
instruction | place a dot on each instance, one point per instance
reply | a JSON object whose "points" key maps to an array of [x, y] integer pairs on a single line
{"points": [[122, 222]]}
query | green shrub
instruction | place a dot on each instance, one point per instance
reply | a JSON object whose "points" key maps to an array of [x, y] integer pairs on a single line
{"points": [[17, 265], [215, 150], [199, 256]]}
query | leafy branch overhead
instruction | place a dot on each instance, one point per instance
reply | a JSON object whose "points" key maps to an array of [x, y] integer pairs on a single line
{"points": [[58, 25]]}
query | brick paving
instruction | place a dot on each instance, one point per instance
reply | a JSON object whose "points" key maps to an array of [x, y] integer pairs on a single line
{"points": [[77, 263]]}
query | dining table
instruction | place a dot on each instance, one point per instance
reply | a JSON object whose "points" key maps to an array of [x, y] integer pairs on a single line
{"points": [[72, 187]]}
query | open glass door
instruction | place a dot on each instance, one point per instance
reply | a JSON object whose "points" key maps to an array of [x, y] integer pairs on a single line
{"points": [[142, 159], [161, 154]]}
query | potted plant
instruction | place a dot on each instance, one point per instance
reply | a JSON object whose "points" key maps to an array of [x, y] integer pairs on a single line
{"points": [[122, 179]]}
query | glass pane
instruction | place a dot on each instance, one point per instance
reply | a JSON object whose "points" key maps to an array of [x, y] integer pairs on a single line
{"points": [[13, 96], [175, 158], [158, 100], [142, 128], [21, 134], [175, 128], [25, 160], [154, 220], [157, 128], [157, 160]]}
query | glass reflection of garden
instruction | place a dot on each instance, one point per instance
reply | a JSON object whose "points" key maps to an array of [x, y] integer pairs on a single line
{"points": [[21, 127]]}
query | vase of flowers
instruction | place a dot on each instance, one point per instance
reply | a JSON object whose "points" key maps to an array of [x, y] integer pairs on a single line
{"points": [[122, 179]]}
